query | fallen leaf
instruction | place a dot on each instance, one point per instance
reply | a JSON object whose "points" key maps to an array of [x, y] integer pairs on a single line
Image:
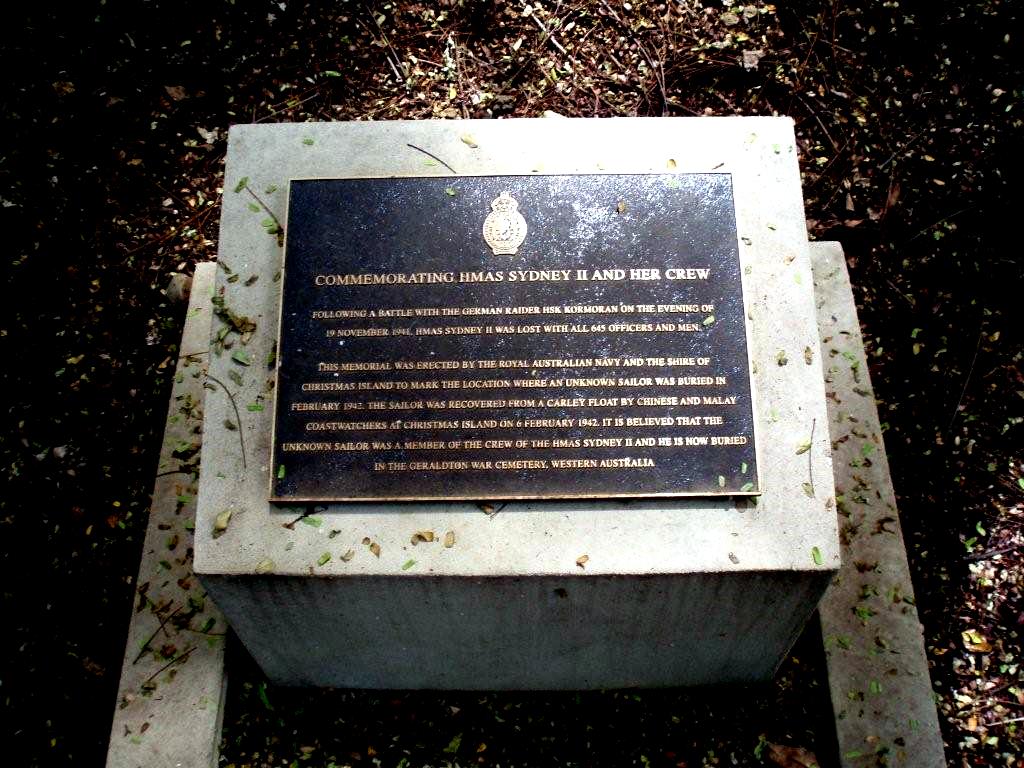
{"points": [[265, 566], [791, 757], [220, 524], [469, 141], [975, 641], [581, 561], [348, 556], [375, 548], [449, 540], [419, 536], [752, 58]]}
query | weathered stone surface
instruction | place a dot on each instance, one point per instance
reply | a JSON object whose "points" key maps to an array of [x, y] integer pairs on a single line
{"points": [[172, 680], [878, 671]]}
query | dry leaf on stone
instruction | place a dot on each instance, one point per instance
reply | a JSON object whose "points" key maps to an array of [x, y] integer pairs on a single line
{"points": [[449, 540], [348, 556], [791, 757], [581, 561], [220, 524], [265, 566], [375, 548], [426, 536]]}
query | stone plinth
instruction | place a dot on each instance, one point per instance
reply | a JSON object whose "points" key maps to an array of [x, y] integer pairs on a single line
{"points": [[672, 592]]}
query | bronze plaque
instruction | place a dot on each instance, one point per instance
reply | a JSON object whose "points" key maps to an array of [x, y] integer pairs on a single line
{"points": [[512, 337]]}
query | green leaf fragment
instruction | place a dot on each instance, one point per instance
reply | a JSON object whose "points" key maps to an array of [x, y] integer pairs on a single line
{"points": [[254, 208], [242, 184], [313, 521], [816, 555], [747, 487], [708, 321], [254, 407], [265, 566], [408, 564], [451, 191], [331, 73], [308, 141], [803, 447], [875, 687], [242, 357], [261, 690], [721, 481], [808, 490], [280, 472], [324, 558], [454, 744]]}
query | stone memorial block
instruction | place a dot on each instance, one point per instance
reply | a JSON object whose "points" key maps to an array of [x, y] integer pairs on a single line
{"points": [[516, 404]]}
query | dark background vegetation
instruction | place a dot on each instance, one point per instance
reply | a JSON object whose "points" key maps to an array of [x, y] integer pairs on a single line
{"points": [[908, 118]]}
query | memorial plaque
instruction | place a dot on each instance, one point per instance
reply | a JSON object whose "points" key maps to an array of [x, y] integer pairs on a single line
{"points": [[504, 337]]}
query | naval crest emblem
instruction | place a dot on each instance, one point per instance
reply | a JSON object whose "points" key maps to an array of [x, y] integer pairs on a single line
{"points": [[504, 227]]}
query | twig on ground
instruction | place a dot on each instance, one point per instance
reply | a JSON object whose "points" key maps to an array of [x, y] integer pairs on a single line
{"points": [[967, 381], [993, 552], [171, 663], [145, 645], [549, 35], [234, 405], [433, 156], [810, 455], [264, 206]]}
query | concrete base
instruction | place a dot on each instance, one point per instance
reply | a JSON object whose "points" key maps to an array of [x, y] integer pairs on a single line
{"points": [[897, 718], [672, 592], [877, 668], [169, 700]]}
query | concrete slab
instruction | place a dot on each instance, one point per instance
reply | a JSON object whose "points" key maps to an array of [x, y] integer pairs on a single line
{"points": [[673, 591], [878, 671], [169, 700]]}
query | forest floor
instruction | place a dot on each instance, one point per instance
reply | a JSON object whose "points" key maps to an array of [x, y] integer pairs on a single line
{"points": [[907, 117]]}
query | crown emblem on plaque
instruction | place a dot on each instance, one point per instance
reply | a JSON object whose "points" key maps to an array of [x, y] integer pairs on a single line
{"points": [[504, 227]]}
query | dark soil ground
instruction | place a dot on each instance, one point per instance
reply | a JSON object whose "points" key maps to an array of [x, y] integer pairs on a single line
{"points": [[908, 115]]}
